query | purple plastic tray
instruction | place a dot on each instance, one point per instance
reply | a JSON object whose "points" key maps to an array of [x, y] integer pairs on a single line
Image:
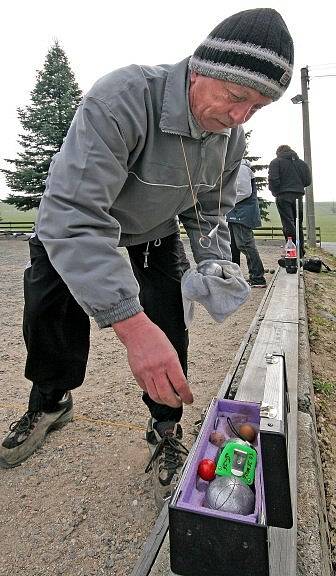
{"points": [[192, 489]]}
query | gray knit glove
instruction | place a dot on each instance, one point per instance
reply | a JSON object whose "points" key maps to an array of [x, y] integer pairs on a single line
{"points": [[218, 285]]}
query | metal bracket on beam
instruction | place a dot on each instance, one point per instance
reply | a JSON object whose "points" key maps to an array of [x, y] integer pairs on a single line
{"points": [[273, 437]]}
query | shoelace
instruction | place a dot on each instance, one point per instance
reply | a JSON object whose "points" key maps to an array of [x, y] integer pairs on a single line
{"points": [[172, 449], [24, 424]]}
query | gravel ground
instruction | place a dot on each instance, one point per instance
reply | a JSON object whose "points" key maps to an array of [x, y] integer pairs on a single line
{"points": [[83, 505]]}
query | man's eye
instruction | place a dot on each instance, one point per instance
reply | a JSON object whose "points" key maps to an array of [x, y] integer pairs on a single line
{"points": [[236, 98]]}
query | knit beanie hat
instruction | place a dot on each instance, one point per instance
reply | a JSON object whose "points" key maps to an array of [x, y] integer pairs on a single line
{"points": [[252, 48]]}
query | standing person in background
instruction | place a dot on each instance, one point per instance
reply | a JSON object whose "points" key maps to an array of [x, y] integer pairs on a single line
{"points": [[288, 177], [242, 219]]}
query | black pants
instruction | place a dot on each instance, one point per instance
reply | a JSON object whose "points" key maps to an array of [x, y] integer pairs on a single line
{"points": [[235, 252], [242, 240], [57, 330], [286, 205]]}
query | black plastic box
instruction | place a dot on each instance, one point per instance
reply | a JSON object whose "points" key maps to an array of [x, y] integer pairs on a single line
{"points": [[207, 542]]}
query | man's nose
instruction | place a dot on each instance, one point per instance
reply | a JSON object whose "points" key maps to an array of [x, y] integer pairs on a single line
{"points": [[239, 113]]}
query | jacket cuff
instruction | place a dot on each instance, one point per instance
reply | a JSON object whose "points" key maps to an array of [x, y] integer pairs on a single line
{"points": [[125, 309]]}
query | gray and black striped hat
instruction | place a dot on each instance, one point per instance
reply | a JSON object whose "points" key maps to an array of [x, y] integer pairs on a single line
{"points": [[252, 48]]}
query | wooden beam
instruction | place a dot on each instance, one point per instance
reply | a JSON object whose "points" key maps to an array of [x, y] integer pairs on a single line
{"points": [[225, 387], [279, 333], [272, 337]]}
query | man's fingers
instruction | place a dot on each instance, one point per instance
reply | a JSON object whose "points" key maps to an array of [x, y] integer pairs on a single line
{"points": [[180, 384], [169, 388], [160, 390], [165, 392]]}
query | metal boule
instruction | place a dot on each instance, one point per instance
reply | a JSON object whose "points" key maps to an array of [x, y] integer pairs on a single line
{"points": [[210, 269], [230, 494]]}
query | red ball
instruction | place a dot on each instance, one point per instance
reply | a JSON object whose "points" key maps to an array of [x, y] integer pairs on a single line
{"points": [[206, 469]]}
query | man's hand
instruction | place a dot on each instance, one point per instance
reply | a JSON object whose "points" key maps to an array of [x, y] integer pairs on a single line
{"points": [[154, 361]]}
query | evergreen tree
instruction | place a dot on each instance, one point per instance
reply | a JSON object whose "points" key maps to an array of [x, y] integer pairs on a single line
{"points": [[45, 122], [261, 181]]}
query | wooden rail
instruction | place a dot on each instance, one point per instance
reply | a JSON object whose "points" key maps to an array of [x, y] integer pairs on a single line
{"points": [[275, 232], [271, 233], [266, 232], [279, 332], [16, 227]]}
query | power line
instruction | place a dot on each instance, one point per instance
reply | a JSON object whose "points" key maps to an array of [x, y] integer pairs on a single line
{"points": [[322, 65], [322, 75]]}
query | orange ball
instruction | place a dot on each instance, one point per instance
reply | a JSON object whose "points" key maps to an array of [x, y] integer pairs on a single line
{"points": [[248, 432]]}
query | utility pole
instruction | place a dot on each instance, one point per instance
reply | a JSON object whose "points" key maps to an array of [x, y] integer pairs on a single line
{"points": [[310, 208]]}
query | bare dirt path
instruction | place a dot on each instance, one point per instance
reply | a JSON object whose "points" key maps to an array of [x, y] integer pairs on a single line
{"points": [[82, 505]]}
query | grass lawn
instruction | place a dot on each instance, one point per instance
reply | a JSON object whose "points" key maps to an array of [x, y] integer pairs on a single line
{"points": [[9, 213], [324, 217]]}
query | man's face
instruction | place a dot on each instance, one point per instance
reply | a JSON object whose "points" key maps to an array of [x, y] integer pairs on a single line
{"points": [[217, 104]]}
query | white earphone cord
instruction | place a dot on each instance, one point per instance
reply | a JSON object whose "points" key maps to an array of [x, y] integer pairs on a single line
{"points": [[202, 237]]}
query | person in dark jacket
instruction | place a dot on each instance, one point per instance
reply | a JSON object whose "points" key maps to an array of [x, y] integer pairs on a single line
{"points": [[288, 177], [241, 220]]}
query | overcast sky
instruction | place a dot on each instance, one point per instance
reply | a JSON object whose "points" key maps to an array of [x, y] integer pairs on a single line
{"points": [[100, 36]]}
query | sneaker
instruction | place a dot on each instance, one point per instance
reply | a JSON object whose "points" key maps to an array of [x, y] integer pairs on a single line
{"points": [[167, 457], [257, 284], [28, 433]]}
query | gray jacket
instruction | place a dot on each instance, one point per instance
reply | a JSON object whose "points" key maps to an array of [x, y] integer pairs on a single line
{"points": [[120, 179]]}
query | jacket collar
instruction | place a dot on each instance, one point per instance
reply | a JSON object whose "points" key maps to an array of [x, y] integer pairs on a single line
{"points": [[174, 114]]}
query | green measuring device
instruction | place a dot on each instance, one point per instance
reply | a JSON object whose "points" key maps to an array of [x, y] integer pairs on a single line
{"points": [[237, 458]]}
